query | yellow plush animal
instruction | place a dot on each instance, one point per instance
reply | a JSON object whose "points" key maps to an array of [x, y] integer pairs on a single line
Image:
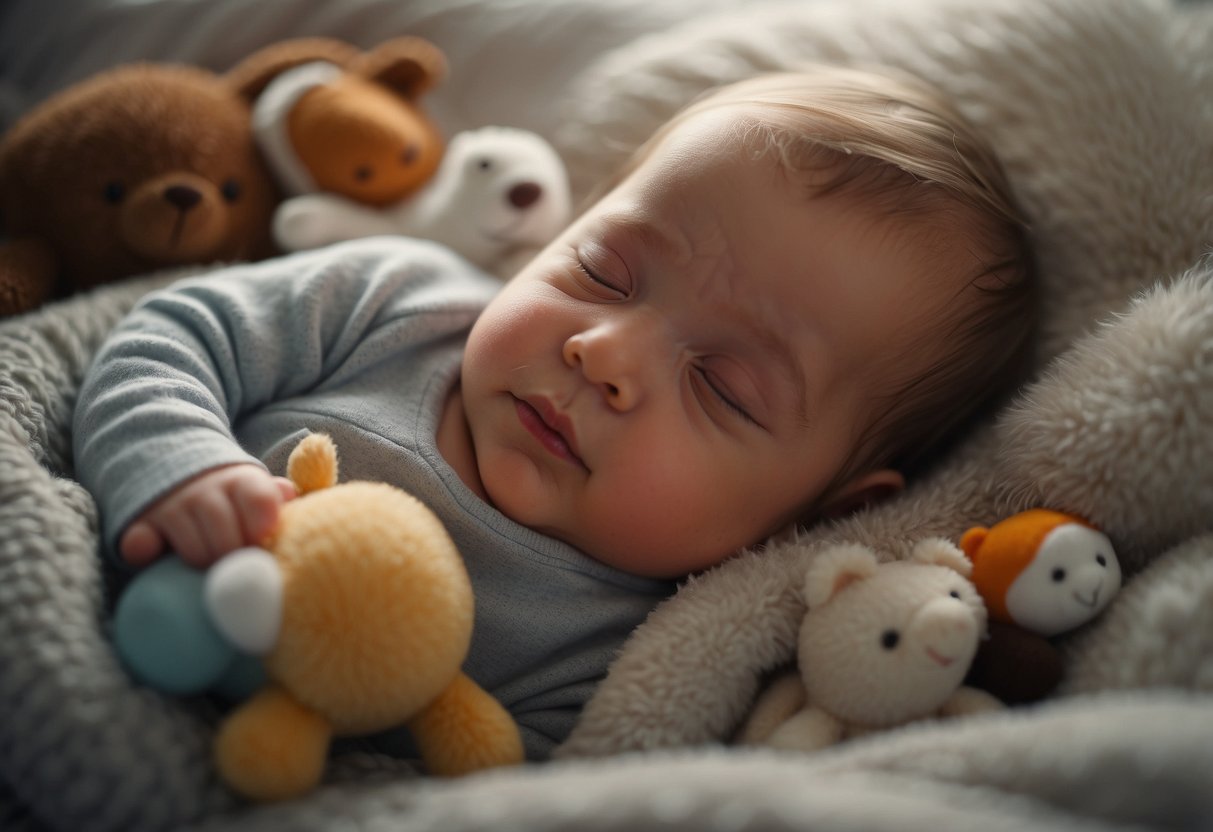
{"points": [[362, 610]]}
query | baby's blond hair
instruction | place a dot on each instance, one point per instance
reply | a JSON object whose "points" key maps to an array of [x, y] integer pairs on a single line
{"points": [[898, 145]]}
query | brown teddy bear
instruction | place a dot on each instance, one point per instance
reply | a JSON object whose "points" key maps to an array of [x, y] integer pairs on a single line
{"points": [[332, 118], [137, 168]]}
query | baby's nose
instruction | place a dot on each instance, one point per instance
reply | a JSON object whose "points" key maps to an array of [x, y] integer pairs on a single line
{"points": [[524, 194]]}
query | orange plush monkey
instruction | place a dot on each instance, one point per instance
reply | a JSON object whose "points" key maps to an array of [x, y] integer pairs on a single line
{"points": [[1040, 573]]}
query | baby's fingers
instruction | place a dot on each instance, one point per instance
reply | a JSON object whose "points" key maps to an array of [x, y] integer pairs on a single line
{"points": [[257, 501], [140, 544], [217, 524]]}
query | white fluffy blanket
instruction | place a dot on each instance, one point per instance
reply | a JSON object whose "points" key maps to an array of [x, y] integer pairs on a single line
{"points": [[1103, 112]]}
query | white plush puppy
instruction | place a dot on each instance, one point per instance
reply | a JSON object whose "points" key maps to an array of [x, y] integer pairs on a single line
{"points": [[498, 191], [880, 646]]}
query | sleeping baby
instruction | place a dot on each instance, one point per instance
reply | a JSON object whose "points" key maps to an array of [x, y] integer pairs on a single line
{"points": [[791, 295]]}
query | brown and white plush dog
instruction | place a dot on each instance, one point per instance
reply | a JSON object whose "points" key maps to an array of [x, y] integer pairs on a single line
{"points": [[331, 118]]}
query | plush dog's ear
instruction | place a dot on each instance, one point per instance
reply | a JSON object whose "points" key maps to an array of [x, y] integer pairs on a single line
{"points": [[409, 66], [252, 75]]}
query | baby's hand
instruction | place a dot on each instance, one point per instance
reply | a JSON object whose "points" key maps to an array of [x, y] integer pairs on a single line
{"points": [[214, 513]]}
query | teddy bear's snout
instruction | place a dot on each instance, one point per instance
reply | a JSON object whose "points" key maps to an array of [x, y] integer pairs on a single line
{"points": [[182, 197]]}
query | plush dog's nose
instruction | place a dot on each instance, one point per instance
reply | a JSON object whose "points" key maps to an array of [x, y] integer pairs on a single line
{"points": [[524, 194], [182, 197]]}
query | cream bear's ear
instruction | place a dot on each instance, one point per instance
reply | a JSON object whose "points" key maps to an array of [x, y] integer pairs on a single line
{"points": [[835, 569], [940, 552]]}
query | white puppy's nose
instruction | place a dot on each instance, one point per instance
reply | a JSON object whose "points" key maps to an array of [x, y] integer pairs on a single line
{"points": [[524, 194]]}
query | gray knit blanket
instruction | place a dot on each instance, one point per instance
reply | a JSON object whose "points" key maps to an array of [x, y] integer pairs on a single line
{"points": [[1103, 113]]}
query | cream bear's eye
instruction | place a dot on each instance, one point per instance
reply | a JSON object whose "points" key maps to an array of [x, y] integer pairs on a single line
{"points": [[1059, 575], [889, 639]]}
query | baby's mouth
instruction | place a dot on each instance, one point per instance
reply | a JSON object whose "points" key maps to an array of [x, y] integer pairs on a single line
{"points": [[551, 428]]}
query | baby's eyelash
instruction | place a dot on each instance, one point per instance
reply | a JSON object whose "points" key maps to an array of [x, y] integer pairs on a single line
{"points": [[723, 397], [594, 277]]}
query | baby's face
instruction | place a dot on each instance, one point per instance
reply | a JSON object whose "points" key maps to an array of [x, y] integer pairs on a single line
{"points": [[688, 365]]}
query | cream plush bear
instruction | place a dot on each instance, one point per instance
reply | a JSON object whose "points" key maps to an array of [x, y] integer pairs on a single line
{"points": [[879, 646], [498, 191]]}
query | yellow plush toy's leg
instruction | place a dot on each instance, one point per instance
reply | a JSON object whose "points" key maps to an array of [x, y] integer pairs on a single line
{"points": [[272, 748], [464, 730]]}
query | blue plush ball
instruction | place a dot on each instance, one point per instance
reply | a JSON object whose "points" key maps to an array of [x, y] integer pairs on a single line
{"points": [[164, 635]]}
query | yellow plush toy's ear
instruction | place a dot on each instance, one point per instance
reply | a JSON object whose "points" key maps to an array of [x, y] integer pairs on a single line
{"points": [[409, 66], [313, 464]]}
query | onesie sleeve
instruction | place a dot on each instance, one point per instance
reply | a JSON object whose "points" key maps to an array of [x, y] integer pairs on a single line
{"points": [[160, 401]]}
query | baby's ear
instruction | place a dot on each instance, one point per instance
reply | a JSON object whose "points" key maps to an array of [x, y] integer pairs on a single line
{"points": [[836, 569], [865, 490]]}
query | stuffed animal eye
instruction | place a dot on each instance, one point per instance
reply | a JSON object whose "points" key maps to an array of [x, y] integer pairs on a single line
{"points": [[889, 639], [114, 192], [1101, 560], [1059, 575], [410, 154], [230, 190], [363, 173], [485, 164], [955, 594]]}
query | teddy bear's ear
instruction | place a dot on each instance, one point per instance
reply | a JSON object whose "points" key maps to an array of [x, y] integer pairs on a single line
{"points": [[835, 570], [252, 75], [410, 66], [939, 552]]}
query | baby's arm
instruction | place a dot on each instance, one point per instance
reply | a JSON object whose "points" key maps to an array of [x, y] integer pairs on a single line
{"points": [[159, 406], [203, 519]]}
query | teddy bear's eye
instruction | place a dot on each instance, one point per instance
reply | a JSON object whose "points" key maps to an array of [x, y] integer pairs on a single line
{"points": [[485, 164], [1101, 560], [363, 173], [410, 154], [230, 190], [889, 639], [1059, 575], [114, 192], [955, 594]]}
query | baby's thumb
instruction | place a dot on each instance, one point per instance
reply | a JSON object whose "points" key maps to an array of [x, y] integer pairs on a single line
{"points": [[286, 488], [140, 544]]}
